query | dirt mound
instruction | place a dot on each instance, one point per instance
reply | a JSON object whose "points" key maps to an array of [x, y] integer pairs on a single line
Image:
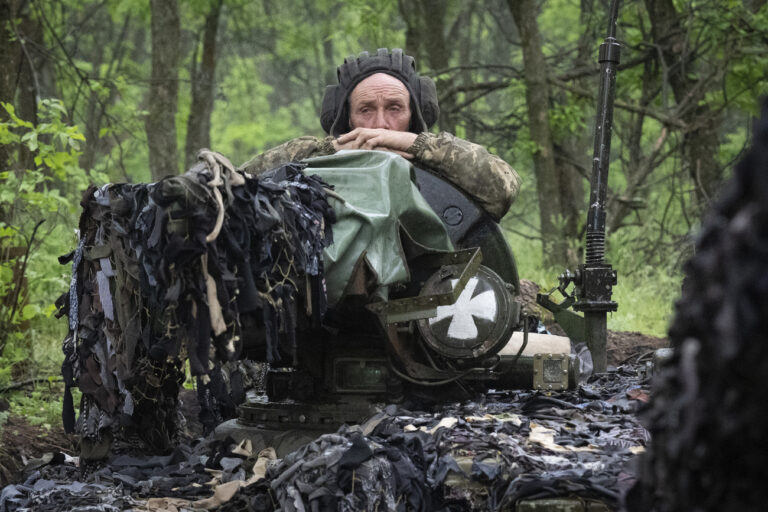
{"points": [[20, 441], [623, 346], [528, 291]]}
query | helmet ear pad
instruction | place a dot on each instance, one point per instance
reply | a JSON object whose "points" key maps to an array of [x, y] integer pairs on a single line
{"points": [[430, 110], [329, 110]]}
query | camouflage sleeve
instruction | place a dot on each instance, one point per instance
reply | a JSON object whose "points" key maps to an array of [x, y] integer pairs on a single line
{"points": [[486, 177], [291, 151]]}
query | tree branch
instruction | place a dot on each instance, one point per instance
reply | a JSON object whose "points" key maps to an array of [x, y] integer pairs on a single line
{"points": [[486, 87], [595, 70], [38, 380], [671, 121]]}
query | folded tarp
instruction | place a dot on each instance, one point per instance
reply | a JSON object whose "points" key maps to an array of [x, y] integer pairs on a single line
{"points": [[379, 199]]}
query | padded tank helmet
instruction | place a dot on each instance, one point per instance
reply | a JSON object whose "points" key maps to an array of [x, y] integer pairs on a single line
{"points": [[424, 109]]}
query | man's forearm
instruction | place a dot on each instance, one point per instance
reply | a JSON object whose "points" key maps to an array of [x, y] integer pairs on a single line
{"points": [[291, 151], [486, 177]]}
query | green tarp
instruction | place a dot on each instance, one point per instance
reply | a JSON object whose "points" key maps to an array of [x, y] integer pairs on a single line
{"points": [[380, 198]]}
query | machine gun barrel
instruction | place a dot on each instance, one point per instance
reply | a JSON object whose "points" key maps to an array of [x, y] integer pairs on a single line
{"points": [[595, 278], [609, 60]]}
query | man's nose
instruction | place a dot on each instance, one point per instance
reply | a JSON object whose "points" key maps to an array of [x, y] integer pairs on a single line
{"points": [[380, 121]]}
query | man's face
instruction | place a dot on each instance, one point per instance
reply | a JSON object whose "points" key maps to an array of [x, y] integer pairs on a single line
{"points": [[380, 101]]}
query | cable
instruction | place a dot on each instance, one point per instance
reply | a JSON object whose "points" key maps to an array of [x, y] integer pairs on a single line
{"points": [[522, 347], [428, 383]]}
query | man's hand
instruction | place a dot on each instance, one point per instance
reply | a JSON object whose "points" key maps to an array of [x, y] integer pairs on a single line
{"points": [[377, 138]]}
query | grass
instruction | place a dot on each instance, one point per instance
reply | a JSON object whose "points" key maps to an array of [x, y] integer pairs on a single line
{"points": [[38, 405], [646, 301], [42, 406], [36, 354], [645, 294]]}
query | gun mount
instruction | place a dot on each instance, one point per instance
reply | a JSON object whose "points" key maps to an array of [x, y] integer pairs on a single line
{"points": [[594, 279]]}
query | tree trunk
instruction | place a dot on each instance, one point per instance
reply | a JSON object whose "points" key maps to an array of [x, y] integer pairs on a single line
{"points": [[700, 143], [409, 11], [10, 53], [570, 149], [27, 73], [203, 88], [29, 87], [754, 5], [160, 123], [330, 61], [537, 99], [93, 113], [96, 115], [640, 164], [425, 31]]}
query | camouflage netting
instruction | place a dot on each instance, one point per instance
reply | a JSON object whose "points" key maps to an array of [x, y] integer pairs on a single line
{"points": [[170, 272], [708, 420], [487, 454]]}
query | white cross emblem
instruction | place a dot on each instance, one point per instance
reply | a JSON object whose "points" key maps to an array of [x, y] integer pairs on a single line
{"points": [[462, 326]]}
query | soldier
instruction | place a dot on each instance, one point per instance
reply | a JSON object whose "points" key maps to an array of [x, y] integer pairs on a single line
{"points": [[382, 103]]}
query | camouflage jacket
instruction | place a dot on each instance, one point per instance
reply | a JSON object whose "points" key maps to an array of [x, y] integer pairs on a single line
{"points": [[486, 177]]}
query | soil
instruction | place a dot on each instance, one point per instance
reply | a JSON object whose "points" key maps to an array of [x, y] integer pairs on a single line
{"points": [[20, 441], [623, 346]]}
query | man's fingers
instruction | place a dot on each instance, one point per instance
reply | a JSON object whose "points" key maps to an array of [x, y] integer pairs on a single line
{"points": [[372, 143], [366, 137], [352, 144], [377, 138], [343, 139], [403, 154], [361, 134], [351, 141]]}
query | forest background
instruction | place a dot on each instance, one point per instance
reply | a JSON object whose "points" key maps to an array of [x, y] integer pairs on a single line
{"points": [[97, 91]]}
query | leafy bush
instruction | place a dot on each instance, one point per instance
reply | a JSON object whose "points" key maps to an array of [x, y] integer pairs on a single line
{"points": [[38, 211], [38, 407]]}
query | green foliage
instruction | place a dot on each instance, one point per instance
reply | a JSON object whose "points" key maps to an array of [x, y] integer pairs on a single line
{"points": [[244, 134], [559, 35], [37, 407], [567, 117], [645, 299], [273, 61], [646, 288], [39, 208], [374, 21]]}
